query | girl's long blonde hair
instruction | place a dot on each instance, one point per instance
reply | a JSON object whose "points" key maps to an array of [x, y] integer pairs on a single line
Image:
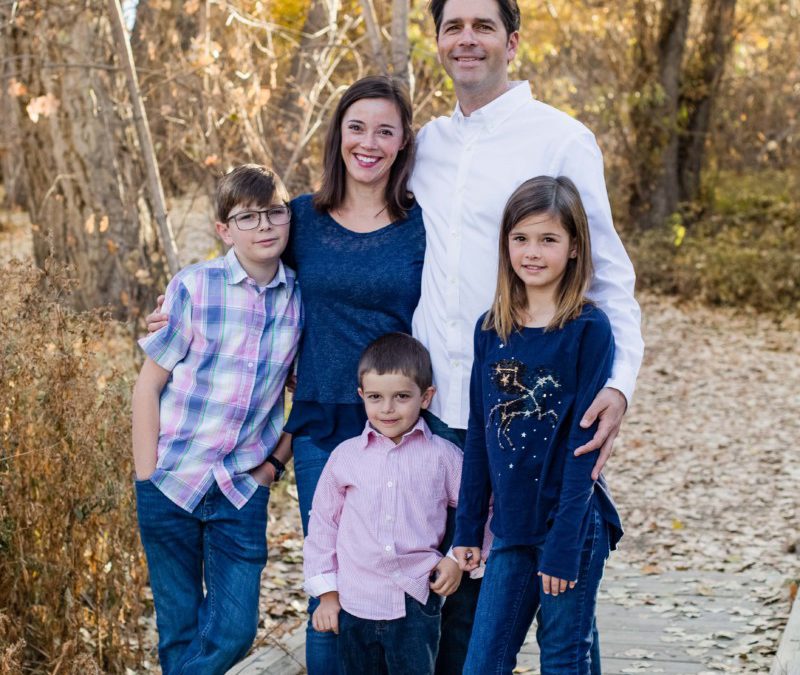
{"points": [[559, 198]]}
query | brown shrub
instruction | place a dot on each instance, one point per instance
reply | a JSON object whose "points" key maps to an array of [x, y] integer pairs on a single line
{"points": [[747, 253], [71, 568]]}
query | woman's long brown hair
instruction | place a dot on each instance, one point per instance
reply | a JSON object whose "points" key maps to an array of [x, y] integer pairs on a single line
{"points": [[334, 175]]}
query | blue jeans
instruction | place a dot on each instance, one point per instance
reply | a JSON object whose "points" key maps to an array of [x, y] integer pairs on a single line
{"points": [[309, 461], [217, 543], [405, 646], [512, 595]]}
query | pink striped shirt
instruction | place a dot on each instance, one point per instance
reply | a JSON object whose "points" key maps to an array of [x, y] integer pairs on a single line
{"points": [[378, 516]]}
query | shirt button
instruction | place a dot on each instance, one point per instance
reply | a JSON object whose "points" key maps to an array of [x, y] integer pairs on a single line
{"points": [[387, 548], [388, 517], [389, 484], [249, 365]]}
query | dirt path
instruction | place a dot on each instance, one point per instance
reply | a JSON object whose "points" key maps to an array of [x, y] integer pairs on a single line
{"points": [[706, 474]]}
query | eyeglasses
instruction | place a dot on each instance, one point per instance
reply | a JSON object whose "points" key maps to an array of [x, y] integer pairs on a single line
{"points": [[250, 220]]}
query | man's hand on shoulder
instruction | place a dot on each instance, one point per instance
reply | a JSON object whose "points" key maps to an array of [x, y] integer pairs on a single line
{"points": [[447, 577], [156, 319], [325, 618], [609, 407]]}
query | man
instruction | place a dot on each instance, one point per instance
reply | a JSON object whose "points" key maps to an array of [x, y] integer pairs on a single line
{"points": [[467, 166]]}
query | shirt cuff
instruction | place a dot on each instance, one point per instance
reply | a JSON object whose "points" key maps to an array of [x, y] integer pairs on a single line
{"points": [[322, 583], [624, 383]]}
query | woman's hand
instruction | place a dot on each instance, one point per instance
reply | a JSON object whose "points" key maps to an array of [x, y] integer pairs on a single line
{"points": [[156, 319], [554, 585]]}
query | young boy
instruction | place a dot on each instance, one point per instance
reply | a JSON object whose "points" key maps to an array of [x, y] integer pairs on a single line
{"points": [[207, 415], [377, 518]]}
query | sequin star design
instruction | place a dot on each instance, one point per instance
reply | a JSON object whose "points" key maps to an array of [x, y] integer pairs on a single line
{"points": [[508, 376]]}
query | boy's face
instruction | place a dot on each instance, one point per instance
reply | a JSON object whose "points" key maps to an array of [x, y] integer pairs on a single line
{"points": [[393, 402], [258, 249]]}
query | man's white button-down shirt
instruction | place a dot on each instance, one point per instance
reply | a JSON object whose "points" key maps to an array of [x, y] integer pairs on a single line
{"points": [[465, 171]]}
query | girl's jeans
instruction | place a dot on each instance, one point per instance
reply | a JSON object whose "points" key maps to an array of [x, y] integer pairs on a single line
{"points": [[218, 544], [512, 595]]}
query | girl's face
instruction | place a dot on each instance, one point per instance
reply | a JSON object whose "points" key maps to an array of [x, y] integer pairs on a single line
{"points": [[372, 135], [539, 248]]}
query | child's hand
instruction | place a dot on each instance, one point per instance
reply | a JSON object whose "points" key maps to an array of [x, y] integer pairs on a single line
{"points": [[554, 585], [447, 577], [469, 557], [326, 617], [264, 474]]}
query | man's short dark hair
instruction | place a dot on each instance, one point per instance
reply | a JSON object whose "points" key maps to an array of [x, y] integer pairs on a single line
{"points": [[509, 13], [397, 353], [249, 185]]}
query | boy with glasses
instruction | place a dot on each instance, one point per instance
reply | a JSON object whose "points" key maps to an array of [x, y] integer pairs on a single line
{"points": [[207, 418]]}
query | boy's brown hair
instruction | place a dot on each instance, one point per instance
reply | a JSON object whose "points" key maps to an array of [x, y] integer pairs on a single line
{"points": [[248, 185], [397, 353]]}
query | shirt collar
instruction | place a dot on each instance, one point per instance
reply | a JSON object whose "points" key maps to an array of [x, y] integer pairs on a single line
{"points": [[498, 110], [371, 435], [235, 273]]}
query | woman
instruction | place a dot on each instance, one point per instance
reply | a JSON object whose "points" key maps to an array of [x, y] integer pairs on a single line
{"points": [[357, 245]]}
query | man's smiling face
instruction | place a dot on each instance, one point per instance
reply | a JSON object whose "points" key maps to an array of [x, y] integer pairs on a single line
{"points": [[475, 49]]}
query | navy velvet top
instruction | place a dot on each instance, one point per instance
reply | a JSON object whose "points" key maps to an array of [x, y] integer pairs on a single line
{"points": [[527, 396], [356, 287]]}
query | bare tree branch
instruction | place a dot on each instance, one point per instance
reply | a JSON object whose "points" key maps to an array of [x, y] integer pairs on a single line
{"points": [[145, 141]]}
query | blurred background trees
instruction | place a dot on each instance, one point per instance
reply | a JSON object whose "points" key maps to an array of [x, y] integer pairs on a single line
{"points": [[680, 94], [695, 105]]}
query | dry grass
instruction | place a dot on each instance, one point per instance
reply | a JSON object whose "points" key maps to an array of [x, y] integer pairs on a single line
{"points": [[71, 569]]}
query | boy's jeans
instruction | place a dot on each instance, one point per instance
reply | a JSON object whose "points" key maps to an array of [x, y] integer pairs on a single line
{"points": [[512, 595], [218, 544], [405, 646]]}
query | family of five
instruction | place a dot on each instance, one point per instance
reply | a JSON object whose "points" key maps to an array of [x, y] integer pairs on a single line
{"points": [[449, 483]]}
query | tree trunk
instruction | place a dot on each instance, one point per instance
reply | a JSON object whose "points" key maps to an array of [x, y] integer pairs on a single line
{"points": [[699, 93], [293, 108], [400, 49], [658, 59], [374, 34], [84, 183]]}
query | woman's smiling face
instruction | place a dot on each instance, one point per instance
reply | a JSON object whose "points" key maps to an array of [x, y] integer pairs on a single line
{"points": [[372, 135]]}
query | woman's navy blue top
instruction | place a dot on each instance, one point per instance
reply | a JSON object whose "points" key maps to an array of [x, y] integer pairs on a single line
{"points": [[527, 396], [356, 287]]}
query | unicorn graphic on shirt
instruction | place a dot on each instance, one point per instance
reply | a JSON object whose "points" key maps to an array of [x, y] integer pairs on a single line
{"points": [[529, 402]]}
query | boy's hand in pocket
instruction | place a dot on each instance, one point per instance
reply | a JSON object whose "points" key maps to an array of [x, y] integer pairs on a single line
{"points": [[264, 474], [445, 577]]}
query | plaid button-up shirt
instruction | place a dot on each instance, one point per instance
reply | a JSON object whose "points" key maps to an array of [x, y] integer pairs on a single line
{"points": [[229, 345]]}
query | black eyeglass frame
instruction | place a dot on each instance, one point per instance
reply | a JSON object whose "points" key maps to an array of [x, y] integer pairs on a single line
{"points": [[262, 213]]}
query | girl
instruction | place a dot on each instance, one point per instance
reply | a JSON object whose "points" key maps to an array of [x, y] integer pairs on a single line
{"points": [[542, 352]]}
